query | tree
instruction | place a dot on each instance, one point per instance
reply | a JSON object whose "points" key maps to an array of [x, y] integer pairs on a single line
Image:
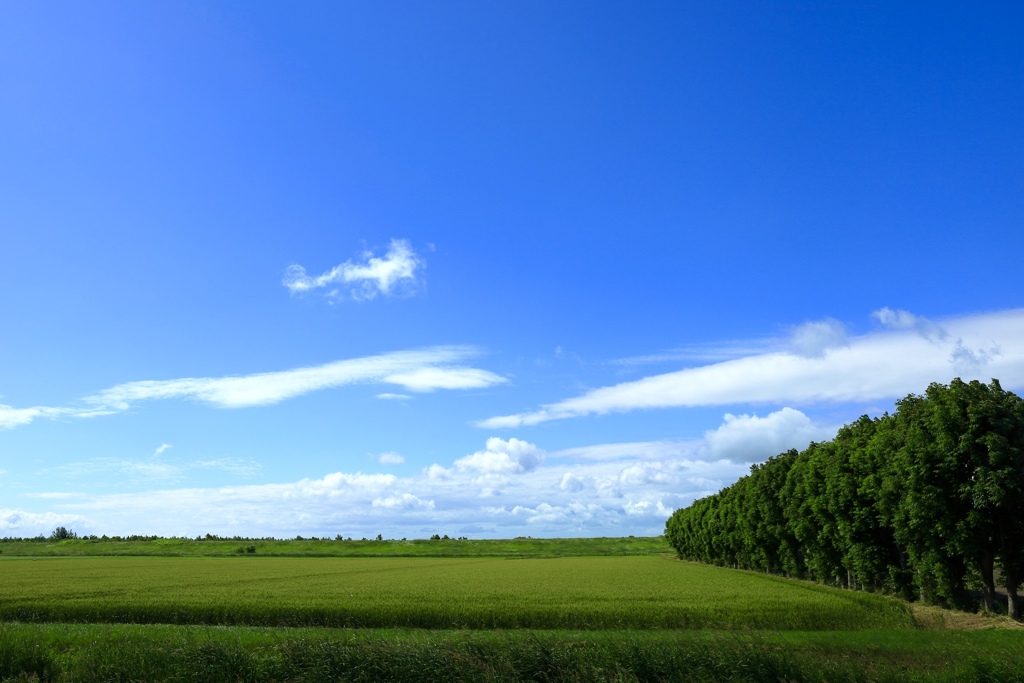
{"points": [[921, 503]]}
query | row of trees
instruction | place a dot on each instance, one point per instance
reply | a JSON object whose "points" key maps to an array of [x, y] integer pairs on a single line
{"points": [[926, 503]]}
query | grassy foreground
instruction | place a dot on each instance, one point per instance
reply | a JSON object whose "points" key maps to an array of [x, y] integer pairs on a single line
{"points": [[478, 593], [87, 653]]}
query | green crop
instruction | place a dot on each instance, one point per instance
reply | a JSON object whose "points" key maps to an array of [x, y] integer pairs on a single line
{"points": [[481, 593], [322, 547]]}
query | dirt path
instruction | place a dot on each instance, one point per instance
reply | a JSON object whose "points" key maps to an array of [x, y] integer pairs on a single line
{"points": [[929, 617]]}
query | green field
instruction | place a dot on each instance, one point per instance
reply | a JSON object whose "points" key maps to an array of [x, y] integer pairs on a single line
{"points": [[216, 547], [524, 609], [477, 593]]}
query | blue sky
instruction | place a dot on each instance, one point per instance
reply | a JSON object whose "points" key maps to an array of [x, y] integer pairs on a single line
{"points": [[484, 269]]}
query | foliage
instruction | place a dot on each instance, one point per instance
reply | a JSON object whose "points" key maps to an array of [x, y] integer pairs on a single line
{"points": [[923, 503]]}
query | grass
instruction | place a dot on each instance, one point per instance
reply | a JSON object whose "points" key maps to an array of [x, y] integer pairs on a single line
{"points": [[474, 593], [85, 653], [520, 610]]}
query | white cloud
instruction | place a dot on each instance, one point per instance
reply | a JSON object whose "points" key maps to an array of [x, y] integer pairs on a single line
{"points": [[970, 361], [161, 448], [390, 459], [424, 379], [749, 438], [405, 500], [19, 523], [572, 482], [365, 278], [137, 470], [394, 397], [706, 352], [240, 466], [885, 364], [508, 488], [814, 339], [503, 457], [898, 319], [422, 370], [15, 417]]}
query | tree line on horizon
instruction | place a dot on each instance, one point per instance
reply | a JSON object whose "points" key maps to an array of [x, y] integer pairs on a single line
{"points": [[926, 503]]}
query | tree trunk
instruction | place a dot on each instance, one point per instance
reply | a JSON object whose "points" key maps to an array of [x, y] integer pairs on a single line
{"points": [[986, 561], [1012, 600], [903, 558]]}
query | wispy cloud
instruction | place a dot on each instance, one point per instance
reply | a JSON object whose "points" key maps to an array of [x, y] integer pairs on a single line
{"points": [[15, 417], [364, 278], [162, 448], [509, 487], [390, 458], [422, 370], [706, 352], [898, 319], [815, 338], [823, 366], [148, 470]]}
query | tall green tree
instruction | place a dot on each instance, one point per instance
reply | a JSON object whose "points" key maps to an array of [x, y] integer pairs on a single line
{"points": [[923, 503]]}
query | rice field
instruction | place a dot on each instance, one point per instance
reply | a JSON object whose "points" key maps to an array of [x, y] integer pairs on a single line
{"points": [[324, 547], [523, 610], [650, 592]]}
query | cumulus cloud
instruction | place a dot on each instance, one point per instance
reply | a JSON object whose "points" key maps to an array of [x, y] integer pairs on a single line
{"points": [[508, 488], [749, 438], [422, 370], [884, 364], [364, 278], [404, 500], [572, 483], [503, 457], [19, 523]]}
